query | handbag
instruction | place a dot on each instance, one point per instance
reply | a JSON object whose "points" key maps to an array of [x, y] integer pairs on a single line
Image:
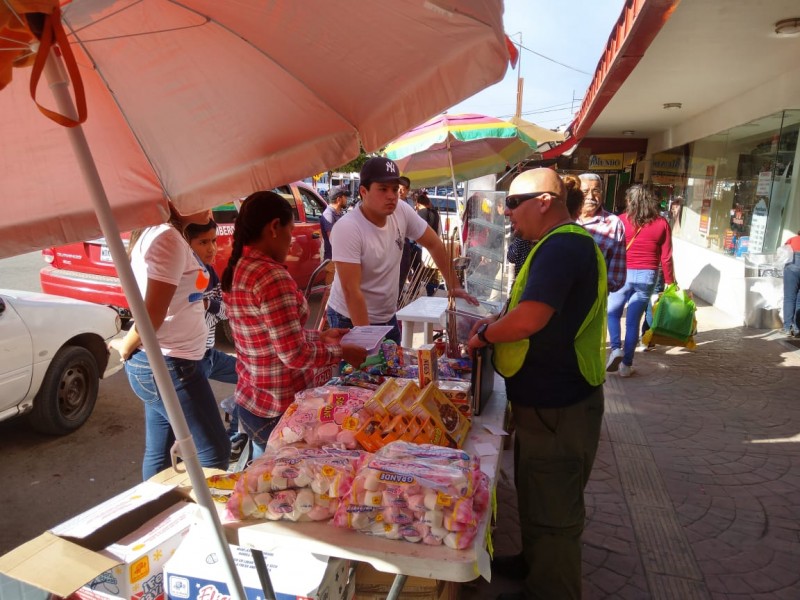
{"points": [[674, 320]]}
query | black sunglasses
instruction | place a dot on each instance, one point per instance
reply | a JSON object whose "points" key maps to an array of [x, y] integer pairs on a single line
{"points": [[515, 200]]}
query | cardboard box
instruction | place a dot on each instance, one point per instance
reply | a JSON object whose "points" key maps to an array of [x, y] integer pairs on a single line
{"points": [[371, 584], [117, 545], [195, 572]]}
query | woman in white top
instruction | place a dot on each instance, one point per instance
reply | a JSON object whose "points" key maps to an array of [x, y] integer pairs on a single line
{"points": [[172, 280]]}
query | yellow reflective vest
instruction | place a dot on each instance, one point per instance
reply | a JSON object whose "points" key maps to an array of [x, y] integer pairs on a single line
{"points": [[590, 340]]}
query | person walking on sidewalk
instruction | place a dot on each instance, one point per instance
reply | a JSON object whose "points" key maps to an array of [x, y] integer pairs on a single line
{"points": [[791, 289], [606, 229], [549, 347], [648, 243]]}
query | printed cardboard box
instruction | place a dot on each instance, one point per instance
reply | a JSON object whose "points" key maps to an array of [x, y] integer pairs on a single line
{"points": [[195, 572], [99, 545], [143, 553]]}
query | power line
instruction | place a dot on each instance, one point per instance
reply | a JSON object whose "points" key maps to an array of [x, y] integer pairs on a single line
{"points": [[539, 54]]}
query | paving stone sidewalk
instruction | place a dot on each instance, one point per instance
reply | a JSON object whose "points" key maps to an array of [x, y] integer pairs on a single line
{"points": [[695, 492]]}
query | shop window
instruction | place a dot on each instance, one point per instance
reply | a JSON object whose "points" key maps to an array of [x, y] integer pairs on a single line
{"points": [[735, 191]]}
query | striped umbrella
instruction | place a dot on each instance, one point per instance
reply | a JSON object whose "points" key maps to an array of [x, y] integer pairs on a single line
{"points": [[451, 148]]}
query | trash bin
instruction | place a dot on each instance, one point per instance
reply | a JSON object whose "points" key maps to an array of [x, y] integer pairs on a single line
{"points": [[763, 301]]}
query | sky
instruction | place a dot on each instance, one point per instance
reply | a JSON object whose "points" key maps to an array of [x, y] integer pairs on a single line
{"points": [[572, 32]]}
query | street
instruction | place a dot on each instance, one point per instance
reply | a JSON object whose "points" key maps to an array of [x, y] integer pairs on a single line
{"points": [[49, 479]]}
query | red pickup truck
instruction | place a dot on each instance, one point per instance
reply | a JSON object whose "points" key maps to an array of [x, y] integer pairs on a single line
{"points": [[85, 271]]}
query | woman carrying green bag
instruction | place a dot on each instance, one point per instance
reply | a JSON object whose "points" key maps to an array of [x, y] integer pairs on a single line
{"points": [[648, 243]]}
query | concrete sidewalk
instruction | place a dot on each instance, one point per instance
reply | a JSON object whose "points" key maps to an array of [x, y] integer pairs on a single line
{"points": [[695, 492]]}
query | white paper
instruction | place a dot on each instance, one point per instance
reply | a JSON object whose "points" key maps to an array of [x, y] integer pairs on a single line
{"points": [[494, 429], [366, 336]]}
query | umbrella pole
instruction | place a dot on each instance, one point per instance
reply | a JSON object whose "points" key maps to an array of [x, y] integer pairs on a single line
{"points": [[452, 324], [59, 85]]}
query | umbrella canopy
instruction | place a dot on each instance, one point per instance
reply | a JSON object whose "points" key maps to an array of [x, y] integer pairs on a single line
{"points": [[204, 101], [459, 147], [537, 132]]}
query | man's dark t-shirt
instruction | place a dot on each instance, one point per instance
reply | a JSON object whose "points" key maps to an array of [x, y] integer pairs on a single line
{"points": [[563, 275]]}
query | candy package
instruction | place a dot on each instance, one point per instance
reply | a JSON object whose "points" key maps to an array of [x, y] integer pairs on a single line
{"points": [[419, 493], [294, 483], [317, 415]]}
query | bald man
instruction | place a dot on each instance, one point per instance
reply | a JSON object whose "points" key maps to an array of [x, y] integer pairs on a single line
{"points": [[550, 348]]}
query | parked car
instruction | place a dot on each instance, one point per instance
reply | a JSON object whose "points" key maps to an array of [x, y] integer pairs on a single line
{"points": [[54, 353], [449, 212], [85, 271]]}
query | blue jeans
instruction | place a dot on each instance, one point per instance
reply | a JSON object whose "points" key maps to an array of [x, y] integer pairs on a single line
{"points": [[220, 366], [639, 285], [791, 294], [258, 429], [199, 408], [336, 320]]}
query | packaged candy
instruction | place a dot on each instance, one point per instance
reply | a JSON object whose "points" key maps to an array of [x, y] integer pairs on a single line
{"points": [[317, 415], [294, 483], [417, 493], [459, 393]]}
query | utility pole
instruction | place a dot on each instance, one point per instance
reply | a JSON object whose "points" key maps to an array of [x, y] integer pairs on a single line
{"points": [[520, 80]]}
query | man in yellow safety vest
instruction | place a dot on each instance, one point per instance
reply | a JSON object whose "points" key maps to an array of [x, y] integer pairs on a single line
{"points": [[549, 345]]}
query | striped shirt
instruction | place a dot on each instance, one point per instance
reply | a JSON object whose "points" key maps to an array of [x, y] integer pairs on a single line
{"points": [[215, 307]]}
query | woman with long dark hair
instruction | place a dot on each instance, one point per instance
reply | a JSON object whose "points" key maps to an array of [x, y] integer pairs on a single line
{"points": [[172, 281], [648, 242], [277, 356]]}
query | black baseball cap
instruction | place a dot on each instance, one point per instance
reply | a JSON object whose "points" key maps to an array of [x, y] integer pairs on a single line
{"points": [[337, 191], [380, 169], [405, 181]]}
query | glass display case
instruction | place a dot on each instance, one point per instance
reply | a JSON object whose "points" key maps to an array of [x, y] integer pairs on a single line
{"points": [[486, 235]]}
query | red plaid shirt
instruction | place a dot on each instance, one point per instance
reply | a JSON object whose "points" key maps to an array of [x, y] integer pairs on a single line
{"points": [[609, 233], [277, 357]]}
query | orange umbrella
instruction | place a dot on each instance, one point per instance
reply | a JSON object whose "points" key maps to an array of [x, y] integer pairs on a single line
{"points": [[203, 101]]}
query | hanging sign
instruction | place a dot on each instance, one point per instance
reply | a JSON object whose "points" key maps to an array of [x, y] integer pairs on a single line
{"points": [[764, 183]]}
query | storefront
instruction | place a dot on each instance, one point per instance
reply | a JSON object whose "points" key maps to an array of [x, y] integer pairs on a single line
{"points": [[735, 199]]}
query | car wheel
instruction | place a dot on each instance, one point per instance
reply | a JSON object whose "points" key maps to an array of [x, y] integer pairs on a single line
{"points": [[68, 393]]}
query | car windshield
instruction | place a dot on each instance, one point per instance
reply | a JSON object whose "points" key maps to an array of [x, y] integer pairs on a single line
{"points": [[444, 204]]}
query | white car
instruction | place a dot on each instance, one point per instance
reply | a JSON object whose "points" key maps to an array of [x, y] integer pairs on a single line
{"points": [[53, 352]]}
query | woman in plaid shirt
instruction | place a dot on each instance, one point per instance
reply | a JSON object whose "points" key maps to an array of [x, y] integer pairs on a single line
{"points": [[277, 356]]}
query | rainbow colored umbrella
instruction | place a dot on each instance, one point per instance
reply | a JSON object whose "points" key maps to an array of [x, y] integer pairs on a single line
{"points": [[451, 148]]}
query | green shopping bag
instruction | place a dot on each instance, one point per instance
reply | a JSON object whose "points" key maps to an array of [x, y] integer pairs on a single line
{"points": [[674, 318]]}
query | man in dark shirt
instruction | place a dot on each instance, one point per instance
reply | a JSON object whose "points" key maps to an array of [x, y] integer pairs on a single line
{"points": [[549, 347], [337, 201]]}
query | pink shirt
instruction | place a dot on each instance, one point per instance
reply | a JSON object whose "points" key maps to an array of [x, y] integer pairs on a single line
{"points": [[652, 245]]}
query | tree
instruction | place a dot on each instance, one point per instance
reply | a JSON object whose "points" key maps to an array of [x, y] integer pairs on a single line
{"points": [[356, 164]]}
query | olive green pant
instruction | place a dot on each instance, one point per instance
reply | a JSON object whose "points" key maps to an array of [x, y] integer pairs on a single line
{"points": [[554, 451]]}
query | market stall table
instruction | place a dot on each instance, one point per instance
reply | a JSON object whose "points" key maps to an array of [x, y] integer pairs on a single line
{"points": [[395, 556], [427, 310]]}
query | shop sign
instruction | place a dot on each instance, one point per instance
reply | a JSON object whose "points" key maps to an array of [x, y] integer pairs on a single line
{"points": [[667, 164], [606, 162]]}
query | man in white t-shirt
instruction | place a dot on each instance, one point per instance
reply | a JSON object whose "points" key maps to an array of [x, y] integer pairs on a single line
{"points": [[367, 249]]}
